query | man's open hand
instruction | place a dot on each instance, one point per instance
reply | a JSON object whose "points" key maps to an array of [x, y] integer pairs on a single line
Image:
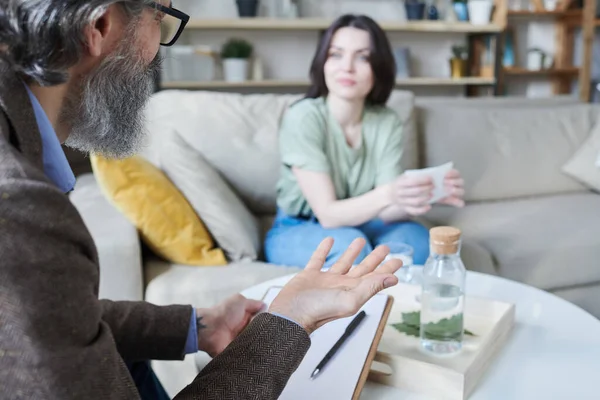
{"points": [[314, 297]]}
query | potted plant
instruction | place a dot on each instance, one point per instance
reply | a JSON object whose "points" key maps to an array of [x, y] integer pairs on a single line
{"points": [[458, 63], [415, 9], [247, 8], [235, 54]]}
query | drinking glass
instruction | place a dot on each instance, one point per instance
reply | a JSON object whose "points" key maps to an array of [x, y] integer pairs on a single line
{"points": [[403, 252]]}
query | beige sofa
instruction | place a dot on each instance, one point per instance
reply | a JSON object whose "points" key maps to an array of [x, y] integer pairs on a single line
{"points": [[525, 220]]}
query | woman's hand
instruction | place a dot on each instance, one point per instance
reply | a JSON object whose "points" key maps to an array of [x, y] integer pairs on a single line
{"points": [[454, 186], [413, 193]]}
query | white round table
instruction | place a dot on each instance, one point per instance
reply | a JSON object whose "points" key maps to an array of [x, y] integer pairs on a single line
{"points": [[552, 353]]}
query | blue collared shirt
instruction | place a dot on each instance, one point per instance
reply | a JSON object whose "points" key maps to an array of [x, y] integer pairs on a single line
{"points": [[56, 166], [58, 170]]}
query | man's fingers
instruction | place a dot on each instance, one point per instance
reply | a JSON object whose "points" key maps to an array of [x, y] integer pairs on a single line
{"points": [[317, 260], [389, 267], [370, 262], [344, 263], [254, 306], [372, 284]]}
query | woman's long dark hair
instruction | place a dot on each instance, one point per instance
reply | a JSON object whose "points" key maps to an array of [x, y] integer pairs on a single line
{"points": [[381, 59]]}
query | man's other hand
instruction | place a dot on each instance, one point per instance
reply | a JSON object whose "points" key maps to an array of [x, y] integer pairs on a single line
{"points": [[218, 326], [314, 297]]}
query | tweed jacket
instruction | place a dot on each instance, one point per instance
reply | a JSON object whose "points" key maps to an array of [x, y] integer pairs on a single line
{"points": [[57, 339]]}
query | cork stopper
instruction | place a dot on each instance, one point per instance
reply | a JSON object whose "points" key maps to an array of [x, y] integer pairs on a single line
{"points": [[445, 239]]}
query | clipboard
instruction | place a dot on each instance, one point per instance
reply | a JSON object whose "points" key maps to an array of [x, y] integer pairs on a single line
{"points": [[328, 335]]}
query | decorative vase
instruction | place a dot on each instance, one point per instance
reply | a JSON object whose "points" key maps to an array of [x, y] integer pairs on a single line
{"points": [[458, 68], [414, 10], [433, 13], [247, 8], [480, 11], [235, 69], [460, 9]]}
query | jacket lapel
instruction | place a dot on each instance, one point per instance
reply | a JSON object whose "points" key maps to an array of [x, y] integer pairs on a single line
{"points": [[15, 103]]}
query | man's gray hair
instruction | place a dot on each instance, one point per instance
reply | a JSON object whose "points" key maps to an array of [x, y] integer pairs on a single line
{"points": [[41, 39]]}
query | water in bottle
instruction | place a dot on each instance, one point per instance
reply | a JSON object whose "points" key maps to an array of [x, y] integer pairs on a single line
{"points": [[442, 299]]}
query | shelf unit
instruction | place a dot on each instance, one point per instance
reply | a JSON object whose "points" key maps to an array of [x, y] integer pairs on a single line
{"points": [[563, 72], [302, 83], [320, 24], [473, 32], [567, 71]]}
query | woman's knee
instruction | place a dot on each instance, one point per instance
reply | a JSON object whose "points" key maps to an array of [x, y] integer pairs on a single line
{"points": [[294, 245], [419, 240], [413, 234]]}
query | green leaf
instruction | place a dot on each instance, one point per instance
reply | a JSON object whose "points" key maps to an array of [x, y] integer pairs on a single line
{"points": [[408, 329], [413, 318], [411, 325]]}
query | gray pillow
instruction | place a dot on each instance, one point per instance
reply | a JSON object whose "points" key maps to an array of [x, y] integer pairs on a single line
{"points": [[584, 165], [233, 227]]}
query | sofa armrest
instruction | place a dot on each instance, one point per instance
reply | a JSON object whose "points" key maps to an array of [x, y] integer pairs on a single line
{"points": [[117, 241]]}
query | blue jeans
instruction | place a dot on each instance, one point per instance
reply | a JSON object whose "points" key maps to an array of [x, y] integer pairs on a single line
{"points": [[148, 385], [291, 241]]}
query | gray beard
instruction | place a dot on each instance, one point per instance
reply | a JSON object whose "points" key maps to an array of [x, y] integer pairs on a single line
{"points": [[106, 115]]}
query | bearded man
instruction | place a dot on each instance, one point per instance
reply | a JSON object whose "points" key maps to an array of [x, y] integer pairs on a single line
{"points": [[79, 72]]}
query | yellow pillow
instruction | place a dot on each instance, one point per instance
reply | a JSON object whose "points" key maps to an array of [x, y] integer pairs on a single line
{"points": [[166, 221]]}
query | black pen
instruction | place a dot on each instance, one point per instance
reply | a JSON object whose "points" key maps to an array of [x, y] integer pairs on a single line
{"points": [[351, 328]]}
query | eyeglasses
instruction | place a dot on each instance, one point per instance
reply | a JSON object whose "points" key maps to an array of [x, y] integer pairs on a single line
{"points": [[172, 23]]}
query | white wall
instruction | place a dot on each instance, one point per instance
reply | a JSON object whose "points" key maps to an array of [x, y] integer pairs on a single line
{"points": [[287, 55]]}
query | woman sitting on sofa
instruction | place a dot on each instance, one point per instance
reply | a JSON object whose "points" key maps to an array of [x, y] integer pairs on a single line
{"points": [[341, 149]]}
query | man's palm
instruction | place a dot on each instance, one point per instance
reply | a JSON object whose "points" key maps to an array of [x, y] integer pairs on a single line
{"points": [[314, 297]]}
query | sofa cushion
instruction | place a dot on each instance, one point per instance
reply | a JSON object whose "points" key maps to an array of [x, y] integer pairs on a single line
{"points": [[234, 228], [207, 286], [238, 135], [506, 153], [116, 239], [166, 221], [585, 163], [549, 242]]}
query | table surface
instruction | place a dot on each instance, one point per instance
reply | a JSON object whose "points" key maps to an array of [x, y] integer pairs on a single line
{"points": [[552, 353]]}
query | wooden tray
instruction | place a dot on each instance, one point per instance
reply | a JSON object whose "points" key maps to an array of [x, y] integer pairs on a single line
{"points": [[400, 362]]}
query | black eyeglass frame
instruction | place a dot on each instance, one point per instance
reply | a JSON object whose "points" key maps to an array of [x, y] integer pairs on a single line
{"points": [[174, 13]]}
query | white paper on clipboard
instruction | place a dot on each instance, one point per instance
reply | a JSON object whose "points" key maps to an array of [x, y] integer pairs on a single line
{"points": [[339, 378]]}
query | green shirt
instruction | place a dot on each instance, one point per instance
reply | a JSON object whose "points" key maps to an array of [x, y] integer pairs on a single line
{"points": [[311, 139]]}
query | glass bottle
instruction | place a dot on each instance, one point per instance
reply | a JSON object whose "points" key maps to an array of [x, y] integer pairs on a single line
{"points": [[443, 296]]}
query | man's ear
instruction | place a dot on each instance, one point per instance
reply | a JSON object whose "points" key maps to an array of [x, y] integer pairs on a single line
{"points": [[97, 33]]}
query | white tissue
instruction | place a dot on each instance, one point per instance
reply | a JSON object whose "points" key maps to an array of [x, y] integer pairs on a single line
{"points": [[437, 174]]}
